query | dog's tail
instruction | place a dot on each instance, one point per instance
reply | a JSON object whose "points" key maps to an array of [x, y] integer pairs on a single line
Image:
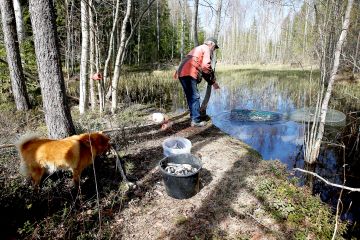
{"points": [[19, 145]]}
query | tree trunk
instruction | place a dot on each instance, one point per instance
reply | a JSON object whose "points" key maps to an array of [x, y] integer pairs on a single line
{"points": [[84, 66], [72, 40], [111, 44], [19, 21], [218, 19], [326, 99], [157, 31], [138, 45], [216, 35], [305, 30], [121, 49], [69, 36], [92, 57], [356, 52], [121, 52], [100, 83], [195, 23], [13, 56], [183, 19], [56, 109]]}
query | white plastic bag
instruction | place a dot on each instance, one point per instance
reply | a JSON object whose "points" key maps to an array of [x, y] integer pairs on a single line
{"points": [[176, 145]]}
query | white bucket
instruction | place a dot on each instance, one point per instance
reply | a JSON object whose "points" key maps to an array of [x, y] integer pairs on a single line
{"points": [[176, 145]]}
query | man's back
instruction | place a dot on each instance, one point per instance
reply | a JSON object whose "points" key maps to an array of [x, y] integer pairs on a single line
{"points": [[197, 61]]}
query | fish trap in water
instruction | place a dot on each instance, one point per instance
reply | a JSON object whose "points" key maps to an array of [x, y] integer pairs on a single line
{"points": [[309, 115], [245, 115]]}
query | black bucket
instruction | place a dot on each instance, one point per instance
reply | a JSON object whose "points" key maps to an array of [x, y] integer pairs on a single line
{"points": [[181, 187]]}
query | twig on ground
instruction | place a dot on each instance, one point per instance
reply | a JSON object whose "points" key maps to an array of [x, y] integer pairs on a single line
{"points": [[96, 186], [121, 170], [7, 146]]}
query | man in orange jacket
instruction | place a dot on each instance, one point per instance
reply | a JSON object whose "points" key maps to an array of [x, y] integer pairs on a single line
{"points": [[195, 66]]}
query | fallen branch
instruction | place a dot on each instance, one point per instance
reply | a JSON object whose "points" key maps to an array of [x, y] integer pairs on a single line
{"points": [[7, 146], [119, 166], [327, 182]]}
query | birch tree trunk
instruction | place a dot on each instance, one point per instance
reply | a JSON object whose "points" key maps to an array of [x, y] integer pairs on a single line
{"points": [[56, 109], [218, 19], [356, 52], [183, 19], [195, 23], [305, 30], [13, 56], [92, 56], [326, 99], [121, 49], [213, 62], [111, 43], [19, 21], [100, 83], [84, 66]]}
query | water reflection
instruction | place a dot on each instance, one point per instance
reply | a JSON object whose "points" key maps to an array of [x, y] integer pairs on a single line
{"points": [[276, 140], [281, 140]]}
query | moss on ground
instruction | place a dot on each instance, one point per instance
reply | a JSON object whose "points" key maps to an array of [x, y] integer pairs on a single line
{"points": [[303, 215]]}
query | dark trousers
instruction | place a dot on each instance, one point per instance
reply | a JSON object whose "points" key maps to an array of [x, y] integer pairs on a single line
{"points": [[192, 94]]}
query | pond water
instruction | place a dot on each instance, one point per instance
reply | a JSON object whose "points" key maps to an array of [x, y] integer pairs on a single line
{"points": [[283, 92]]}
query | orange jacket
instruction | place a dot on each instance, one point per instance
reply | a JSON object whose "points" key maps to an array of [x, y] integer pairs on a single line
{"points": [[197, 64]]}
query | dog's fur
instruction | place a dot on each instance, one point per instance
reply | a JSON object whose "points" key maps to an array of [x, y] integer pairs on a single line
{"points": [[74, 153]]}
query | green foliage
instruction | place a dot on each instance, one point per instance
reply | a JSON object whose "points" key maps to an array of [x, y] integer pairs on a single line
{"points": [[27, 229]]}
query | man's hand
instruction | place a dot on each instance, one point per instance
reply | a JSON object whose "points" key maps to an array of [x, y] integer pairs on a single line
{"points": [[216, 86]]}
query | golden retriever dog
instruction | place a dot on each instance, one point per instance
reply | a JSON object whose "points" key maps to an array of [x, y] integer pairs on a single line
{"points": [[74, 153]]}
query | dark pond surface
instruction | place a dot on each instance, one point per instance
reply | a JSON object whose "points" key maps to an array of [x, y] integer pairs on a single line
{"points": [[283, 92]]}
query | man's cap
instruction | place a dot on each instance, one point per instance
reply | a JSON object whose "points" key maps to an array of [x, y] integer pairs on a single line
{"points": [[212, 39]]}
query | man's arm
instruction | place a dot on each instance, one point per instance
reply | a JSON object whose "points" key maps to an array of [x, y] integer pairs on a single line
{"points": [[207, 71]]}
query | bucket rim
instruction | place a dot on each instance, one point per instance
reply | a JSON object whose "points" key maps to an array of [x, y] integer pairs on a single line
{"points": [[176, 138], [181, 176]]}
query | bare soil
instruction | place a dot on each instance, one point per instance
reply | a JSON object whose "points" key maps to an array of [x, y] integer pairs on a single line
{"points": [[224, 208]]}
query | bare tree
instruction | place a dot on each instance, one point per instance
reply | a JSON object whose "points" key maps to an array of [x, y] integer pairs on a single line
{"points": [[183, 19], [218, 18], [13, 56], [56, 109], [111, 42], [124, 43], [84, 65], [92, 56], [325, 102], [121, 49]]}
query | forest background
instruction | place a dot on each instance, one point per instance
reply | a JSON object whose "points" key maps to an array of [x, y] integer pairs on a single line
{"points": [[101, 36]]}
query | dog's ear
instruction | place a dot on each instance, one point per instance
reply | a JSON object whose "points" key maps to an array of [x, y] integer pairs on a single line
{"points": [[86, 140]]}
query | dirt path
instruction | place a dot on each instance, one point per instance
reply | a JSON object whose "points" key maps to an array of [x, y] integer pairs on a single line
{"points": [[224, 208], [241, 196]]}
